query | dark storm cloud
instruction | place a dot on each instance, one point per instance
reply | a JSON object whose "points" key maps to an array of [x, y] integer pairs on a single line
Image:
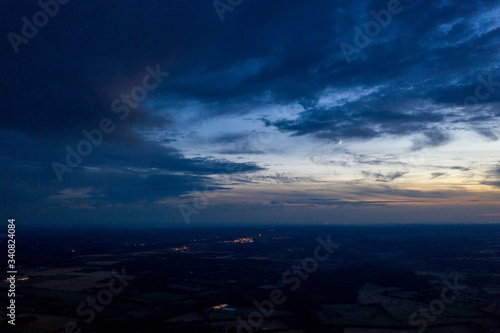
{"points": [[65, 81], [32, 183], [121, 175], [371, 117], [411, 70]]}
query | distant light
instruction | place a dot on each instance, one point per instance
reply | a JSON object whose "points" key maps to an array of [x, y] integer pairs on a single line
{"points": [[340, 142]]}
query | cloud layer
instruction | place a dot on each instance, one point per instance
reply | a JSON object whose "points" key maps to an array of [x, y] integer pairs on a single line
{"points": [[256, 97]]}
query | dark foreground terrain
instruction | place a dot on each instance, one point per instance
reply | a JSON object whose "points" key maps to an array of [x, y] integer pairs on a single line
{"points": [[283, 279]]}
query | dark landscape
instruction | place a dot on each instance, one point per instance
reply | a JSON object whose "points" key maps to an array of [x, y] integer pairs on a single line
{"points": [[208, 280]]}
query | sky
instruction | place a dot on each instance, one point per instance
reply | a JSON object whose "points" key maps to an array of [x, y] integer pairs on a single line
{"points": [[242, 112]]}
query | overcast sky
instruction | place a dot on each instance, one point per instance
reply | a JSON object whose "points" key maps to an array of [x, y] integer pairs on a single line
{"points": [[250, 112]]}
